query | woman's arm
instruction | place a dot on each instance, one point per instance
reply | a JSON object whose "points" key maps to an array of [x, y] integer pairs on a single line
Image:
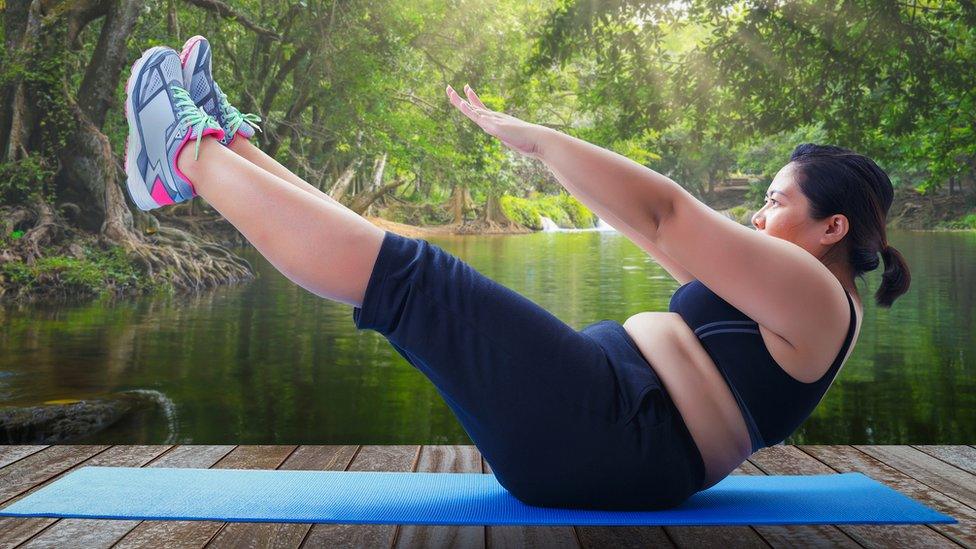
{"points": [[610, 185], [631, 197]]}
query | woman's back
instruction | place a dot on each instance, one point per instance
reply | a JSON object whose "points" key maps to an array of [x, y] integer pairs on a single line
{"points": [[694, 349], [773, 402]]}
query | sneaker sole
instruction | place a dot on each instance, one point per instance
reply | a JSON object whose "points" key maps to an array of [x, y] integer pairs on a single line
{"points": [[136, 184]]}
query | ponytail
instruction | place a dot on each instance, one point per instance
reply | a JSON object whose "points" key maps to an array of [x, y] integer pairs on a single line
{"points": [[896, 277]]}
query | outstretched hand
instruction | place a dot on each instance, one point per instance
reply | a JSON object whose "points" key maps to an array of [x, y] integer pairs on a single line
{"points": [[522, 137]]}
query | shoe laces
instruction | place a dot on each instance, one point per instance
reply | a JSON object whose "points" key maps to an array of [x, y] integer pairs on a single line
{"points": [[192, 116], [234, 117]]}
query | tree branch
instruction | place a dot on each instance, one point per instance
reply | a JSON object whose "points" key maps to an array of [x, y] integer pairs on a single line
{"points": [[223, 10]]}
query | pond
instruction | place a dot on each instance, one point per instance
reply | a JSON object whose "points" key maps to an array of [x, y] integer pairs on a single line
{"points": [[268, 363]]}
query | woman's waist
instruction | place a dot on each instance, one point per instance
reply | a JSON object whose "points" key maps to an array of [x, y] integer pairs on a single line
{"points": [[697, 389]]}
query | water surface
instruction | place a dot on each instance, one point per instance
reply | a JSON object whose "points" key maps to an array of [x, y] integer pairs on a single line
{"points": [[269, 363]]}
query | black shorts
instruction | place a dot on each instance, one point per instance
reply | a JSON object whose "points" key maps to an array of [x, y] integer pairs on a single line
{"points": [[565, 418]]}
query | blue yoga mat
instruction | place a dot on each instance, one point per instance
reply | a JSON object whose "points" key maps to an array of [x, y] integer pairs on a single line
{"points": [[260, 495]]}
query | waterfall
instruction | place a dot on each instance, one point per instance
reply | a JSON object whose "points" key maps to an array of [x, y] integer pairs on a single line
{"points": [[549, 226]]}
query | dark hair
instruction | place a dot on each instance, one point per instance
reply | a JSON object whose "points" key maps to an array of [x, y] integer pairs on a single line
{"points": [[838, 180]]}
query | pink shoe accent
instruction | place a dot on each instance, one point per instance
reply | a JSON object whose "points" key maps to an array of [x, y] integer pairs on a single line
{"points": [[219, 134], [159, 193], [213, 131], [187, 46]]}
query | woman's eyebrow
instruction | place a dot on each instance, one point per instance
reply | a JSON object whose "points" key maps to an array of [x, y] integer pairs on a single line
{"points": [[774, 191]]}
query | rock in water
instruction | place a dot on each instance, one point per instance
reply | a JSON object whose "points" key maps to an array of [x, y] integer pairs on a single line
{"points": [[56, 423]]}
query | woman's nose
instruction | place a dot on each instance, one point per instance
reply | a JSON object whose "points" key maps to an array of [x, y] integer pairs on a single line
{"points": [[758, 221]]}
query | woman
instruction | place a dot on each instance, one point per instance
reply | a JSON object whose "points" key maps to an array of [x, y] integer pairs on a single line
{"points": [[638, 415]]}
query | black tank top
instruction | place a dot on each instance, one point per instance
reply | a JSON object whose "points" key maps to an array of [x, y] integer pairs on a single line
{"points": [[773, 403]]}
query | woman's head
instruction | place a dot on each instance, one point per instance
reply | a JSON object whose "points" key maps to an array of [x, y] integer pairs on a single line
{"points": [[834, 203]]}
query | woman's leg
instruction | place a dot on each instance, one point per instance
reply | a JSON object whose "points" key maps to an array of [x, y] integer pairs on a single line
{"points": [[256, 156], [321, 246]]}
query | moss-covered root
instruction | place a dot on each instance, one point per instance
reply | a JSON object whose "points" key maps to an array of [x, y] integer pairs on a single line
{"points": [[42, 255]]}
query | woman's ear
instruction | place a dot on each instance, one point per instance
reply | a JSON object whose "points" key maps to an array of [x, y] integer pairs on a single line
{"points": [[836, 229]]}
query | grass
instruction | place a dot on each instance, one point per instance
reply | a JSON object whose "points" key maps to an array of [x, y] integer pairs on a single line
{"points": [[98, 273]]}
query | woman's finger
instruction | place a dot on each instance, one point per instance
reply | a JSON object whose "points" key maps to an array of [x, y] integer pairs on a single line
{"points": [[473, 98], [463, 106], [453, 97]]}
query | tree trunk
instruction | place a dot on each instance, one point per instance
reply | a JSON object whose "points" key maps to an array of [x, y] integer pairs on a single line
{"points": [[458, 203], [342, 184], [493, 211], [363, 201], [22, 28], [172, 19], [88, 166], [97, 92], [379, 166]]}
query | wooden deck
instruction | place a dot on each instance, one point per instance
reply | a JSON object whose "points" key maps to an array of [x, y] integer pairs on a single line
{"points": [[943, 477]]}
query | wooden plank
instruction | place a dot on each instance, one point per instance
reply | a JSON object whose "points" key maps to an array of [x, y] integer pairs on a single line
{"points": [[195, 533], [963, 457], [280, 534], [103, 533], [529, 536], [444, 459], [369, 458], [12, 453], [922, 472], [28, 474], [723, 537], [948, 479], [90, 532], [780, 460], [848, 459]]}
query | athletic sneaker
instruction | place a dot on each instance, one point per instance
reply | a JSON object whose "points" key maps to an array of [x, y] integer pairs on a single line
{"points": [[198, 76], [162, 119]]}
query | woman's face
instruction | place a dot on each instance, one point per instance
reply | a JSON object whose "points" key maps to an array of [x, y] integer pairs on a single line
{"points": [[786, 215]]}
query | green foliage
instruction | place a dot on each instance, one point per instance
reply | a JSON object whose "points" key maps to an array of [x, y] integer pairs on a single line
{"points": [[564, 210], [521, 211], [694, 90], [968, 221], [741, 214], [26, 177], [756, 195], [99, 272], [579, 215], [549, 206], [890, 80]]}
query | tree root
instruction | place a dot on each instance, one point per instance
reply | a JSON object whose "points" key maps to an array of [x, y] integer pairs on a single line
{"points": [[184, 260], [169, 255], [44, 227]]}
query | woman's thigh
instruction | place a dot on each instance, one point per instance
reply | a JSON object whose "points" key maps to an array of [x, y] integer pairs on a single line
{"points": [[525, 386]]}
